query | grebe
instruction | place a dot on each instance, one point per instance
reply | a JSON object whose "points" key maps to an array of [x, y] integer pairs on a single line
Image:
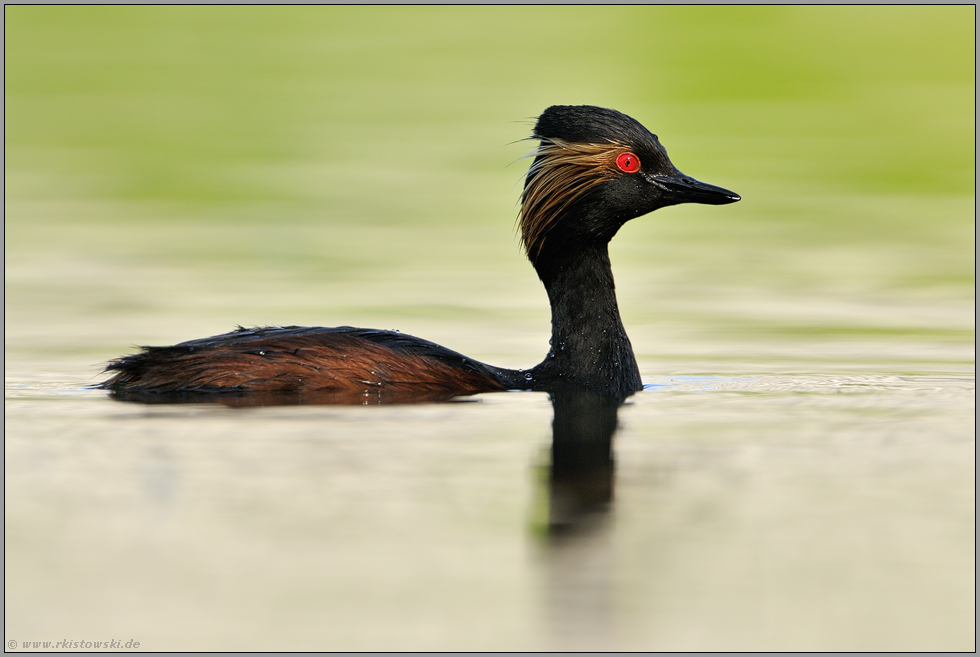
{"points": [[594, 170]]}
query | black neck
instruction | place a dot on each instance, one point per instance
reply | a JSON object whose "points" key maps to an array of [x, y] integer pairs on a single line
{"points": [[589, 347]]}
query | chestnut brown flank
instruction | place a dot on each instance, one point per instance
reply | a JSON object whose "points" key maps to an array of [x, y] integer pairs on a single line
{"points": [[316, 362]]}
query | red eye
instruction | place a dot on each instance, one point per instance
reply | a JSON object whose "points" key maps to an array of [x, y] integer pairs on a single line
{"points": [[628, 162]]}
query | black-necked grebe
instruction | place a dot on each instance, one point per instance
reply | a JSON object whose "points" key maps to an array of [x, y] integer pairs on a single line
{"points": [[594, 170]]}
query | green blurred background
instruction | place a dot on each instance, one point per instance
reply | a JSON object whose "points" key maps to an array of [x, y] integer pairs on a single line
{"points": [[173, 171]]}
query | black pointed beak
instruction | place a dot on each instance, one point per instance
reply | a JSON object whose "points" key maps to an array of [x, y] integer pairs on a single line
{"points": [[684, 189]]}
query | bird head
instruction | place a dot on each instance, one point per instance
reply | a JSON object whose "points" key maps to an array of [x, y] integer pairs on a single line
{"points": [[594, 170]]}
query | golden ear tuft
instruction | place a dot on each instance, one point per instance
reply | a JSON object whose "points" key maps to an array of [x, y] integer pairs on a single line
{"points": [[561, 174]]}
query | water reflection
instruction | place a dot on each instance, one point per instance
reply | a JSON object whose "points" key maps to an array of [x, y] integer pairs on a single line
{"points": [[578, 549], [258, 399], [581, 468], [580, 471], [581, 476]]}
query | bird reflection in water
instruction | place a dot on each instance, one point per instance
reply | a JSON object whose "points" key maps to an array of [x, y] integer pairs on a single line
{"points": [[580, 472], [577, 547], [236, 399], [580, 481]]}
